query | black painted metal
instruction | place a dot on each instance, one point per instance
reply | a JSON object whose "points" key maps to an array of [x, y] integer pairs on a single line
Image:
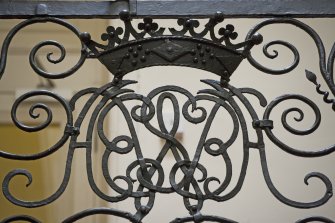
{"points": [[167, 8], [122, 55], [64, 9], [185, 47]]}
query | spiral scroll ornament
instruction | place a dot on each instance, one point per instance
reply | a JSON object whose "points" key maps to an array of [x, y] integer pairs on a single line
{"points": [[32, 57], [128, 49]]}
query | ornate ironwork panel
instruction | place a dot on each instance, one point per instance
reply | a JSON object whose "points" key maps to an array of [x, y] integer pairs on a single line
{"points": [[128, 49]]}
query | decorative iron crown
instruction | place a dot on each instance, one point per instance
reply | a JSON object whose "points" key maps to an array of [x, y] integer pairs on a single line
{"points": [[128, 49]]}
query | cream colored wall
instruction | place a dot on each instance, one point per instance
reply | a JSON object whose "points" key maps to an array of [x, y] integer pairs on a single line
{"points": [[20, 77], [254, 203], [12, 137]]}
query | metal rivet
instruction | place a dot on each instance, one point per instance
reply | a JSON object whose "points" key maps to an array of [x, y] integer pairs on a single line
{"points": [[111, 34], [193, 52], [85, 37], [147, 51], [125, 15], [41, 9], [143, 59], [212, 55], [203, 61], [199, 46], [195, 60], [135, 54], [257, 38], [130, 49], [188, 23], [144, 209], [169, 49], [202, 53], [147, 27], [139, 47], [119, 71], [127, 56], [208, 49], [134, 62], [116, 80]]}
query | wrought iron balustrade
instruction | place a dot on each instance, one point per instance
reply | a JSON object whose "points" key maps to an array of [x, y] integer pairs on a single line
{"points": [[127, 49]]}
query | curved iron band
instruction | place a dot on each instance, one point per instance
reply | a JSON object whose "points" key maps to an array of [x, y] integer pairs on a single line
{"points": [[69, 130], [282, 145], [33, 63], [105, 211], [312, 78], [260, 146], [25, 218], [170, 50], [315, 218], [77, 216], [166, 52], [68, 107], [202, 218], [326, 66], [27, 174]]}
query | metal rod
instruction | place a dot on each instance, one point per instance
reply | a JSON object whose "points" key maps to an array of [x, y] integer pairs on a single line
{"points": [[168, 9]]}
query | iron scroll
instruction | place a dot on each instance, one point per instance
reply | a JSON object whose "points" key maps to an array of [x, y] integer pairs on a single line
{"points": [[130, 49]]}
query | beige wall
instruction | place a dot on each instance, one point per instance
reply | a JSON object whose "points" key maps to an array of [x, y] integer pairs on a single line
{"points": [[254, 203], [19, 77]]}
